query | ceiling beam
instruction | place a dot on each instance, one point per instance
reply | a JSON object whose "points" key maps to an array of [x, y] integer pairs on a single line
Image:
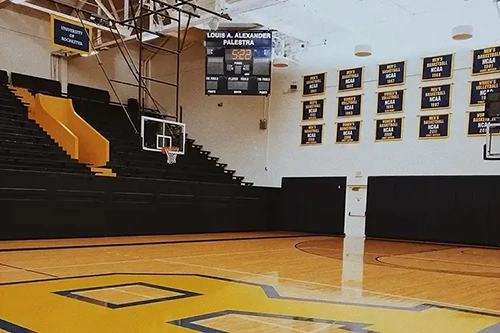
{"points": [[69, 17], [105, 10]]}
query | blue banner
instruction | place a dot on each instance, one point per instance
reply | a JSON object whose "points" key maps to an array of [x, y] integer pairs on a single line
{"points": [[477, 124], [311, 134], [71, 36], [349, 106], [313, 109], [436, 97], [350, 79], [313, 84], [434, 127], [389, 129], [348, 132], [486, 61], [390, 101], [391, 74], [437, 67], [479, 89]]}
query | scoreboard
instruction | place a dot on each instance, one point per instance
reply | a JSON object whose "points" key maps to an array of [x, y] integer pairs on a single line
{"points": [[238, 62]]}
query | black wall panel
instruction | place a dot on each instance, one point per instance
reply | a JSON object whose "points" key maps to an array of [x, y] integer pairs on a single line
{"points": [[36, 84], [314, 204], [446, 209], [42, 205]]}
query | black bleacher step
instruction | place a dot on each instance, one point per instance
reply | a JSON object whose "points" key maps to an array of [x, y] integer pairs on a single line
{"points": [[204, 152], [19, 123], [40, 163], [38, 153], [9, 166], [195, 146], [238, 178], [13, 128], [46, 147], [212, 158], [247, 184], [230, 172], [221, 165], [165, 170], [190, 141], [37, 136]]}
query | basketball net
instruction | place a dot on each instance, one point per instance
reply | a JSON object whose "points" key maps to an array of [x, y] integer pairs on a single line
{"points": [[171, 153]]}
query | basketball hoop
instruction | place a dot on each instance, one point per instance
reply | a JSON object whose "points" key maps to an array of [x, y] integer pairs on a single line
{"points": [[171, 153]]}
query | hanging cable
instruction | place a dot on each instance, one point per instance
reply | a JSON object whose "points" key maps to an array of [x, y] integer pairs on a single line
{"points": [[105, 73]]}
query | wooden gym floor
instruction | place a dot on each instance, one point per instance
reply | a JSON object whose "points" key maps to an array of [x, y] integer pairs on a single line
{"points": [[249, 282]]}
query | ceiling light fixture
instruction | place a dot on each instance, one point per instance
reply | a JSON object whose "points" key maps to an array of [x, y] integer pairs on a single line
{"points": [[363, 50], [462, 32]]}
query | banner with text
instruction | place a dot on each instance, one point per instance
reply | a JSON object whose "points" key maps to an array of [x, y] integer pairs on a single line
{"points": [[479, 89], [313, 84], [437, 67], [350, 79], [389, 129], [311, 134], [391, 74], [70, 35], [348, 132], [477, 123], [390, 101], [435, 97], [486, 61], [349, 106], [434, 127], [313, 109]]}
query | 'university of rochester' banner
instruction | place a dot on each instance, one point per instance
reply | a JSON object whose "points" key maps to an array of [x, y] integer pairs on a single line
{"points": [[70, 35]]}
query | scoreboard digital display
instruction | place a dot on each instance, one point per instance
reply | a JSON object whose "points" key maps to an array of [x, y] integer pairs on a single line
{"points": [[238, 62]]}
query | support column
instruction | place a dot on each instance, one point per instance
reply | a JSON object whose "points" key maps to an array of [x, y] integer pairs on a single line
{"points": [[354, 225]]}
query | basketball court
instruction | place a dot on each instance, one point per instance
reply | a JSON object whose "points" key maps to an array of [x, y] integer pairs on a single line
{"points": [[248, 282]]}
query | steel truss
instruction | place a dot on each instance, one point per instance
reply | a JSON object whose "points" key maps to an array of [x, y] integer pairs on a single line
{"points": [[150, 10]]}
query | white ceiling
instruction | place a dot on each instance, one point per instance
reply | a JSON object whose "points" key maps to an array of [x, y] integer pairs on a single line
{"points": [[394, 28]]}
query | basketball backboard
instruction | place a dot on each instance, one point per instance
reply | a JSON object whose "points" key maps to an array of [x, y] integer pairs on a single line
{"points": [[491, 150], [157, 133]]}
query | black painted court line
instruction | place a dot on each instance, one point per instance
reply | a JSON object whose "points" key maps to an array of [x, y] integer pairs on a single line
{"points": [[187, 241], [28, 270]]}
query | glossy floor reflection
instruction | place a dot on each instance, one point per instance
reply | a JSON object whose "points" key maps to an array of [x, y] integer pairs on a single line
{"points": [[253, 282]]}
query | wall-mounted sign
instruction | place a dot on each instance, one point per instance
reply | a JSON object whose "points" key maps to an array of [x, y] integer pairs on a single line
{"points": [[389, 129], [479, 89], [477, 123], [348, 132], [311, 134], [437, 67], [391, 74], [434, 127], [349, 106], [435, 97], [313, 109], [390, 101], [486, 61], [70, 35], [313, 84], [350, 79]]}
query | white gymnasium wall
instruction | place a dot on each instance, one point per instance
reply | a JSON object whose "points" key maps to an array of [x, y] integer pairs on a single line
{"points": [[230, 132], [456, 155], [86, 71], [24, 44]]}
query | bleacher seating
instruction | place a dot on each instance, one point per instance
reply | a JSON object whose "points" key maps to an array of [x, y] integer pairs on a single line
{"points": [[24, 145], [129, 159]]}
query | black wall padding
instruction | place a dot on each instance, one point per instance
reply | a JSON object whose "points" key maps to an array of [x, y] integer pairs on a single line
{"points": [[77, 91], [42, 205], [446, 209], [36, 84], [314, 204], [4, 77]]}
